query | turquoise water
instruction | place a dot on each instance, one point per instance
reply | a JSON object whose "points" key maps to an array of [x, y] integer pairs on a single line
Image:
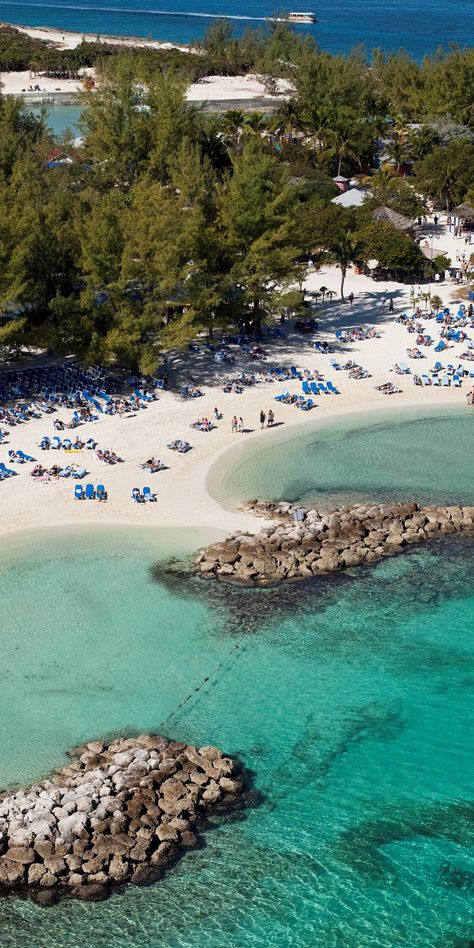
{"points": [[392, 25], [350, 699], [60, 116], [392, 454]]}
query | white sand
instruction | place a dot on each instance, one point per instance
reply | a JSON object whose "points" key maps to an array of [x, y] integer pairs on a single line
{"points": [[249, 87], [183, 499], [69, 39], [19, 83]]}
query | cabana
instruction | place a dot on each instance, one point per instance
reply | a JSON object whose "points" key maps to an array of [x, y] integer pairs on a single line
{"points": [[391, 217]]}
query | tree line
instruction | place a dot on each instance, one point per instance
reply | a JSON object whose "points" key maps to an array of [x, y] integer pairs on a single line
{"points": [[171, 221]]}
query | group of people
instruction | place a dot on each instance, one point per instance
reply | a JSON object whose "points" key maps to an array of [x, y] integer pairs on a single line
{"points": [[270, 418]]}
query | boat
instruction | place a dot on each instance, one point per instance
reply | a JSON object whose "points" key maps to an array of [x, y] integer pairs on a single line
{"points": [[302, 18]]}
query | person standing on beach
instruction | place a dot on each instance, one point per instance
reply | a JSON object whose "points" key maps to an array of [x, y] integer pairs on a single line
{"points": [[240, 426], [262, 419], [271, 418], [351, 298], [234, 424], [390, 305]]}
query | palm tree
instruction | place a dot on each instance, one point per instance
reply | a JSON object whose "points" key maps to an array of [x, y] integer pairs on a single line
{"points": [[346, 251], [323, 290], [231, 123], [288, 119], [343, 146], [330, 294], [256, 123], [397, 150]]}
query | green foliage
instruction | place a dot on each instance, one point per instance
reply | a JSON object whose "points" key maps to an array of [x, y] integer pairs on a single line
{"points": [[447, 173], [393, 249]]}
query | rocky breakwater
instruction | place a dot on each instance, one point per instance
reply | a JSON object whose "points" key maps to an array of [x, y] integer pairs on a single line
{"points": [[119, 812], [303, 543]]}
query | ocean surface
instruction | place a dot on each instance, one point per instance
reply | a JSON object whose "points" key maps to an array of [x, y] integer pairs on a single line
{"points": [[413, 25], [349, 697]]}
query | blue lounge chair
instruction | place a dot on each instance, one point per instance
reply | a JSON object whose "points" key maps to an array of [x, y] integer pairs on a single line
{"points": [[404, 368], [67, 444], [90, 444], [334, 365], [435, 380], [440, 347], [322, 388], [456, 381], [24, 457], [79, 492], [101, 492], [77, 475], [148, 494], [307, 404], [294, 372], [89, 492], [136, 495], [332, 388], [314, 388], [56, 442], [279, 398], [306, 388], [6, 471], [425, 380], [446, 380]]}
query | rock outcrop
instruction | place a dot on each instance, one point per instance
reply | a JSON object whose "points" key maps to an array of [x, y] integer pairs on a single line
{"points": [[303, 543], [119, 812]]}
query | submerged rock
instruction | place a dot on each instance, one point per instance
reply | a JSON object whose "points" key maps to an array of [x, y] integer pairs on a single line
{"points": [[120, 812], [306, 543]]}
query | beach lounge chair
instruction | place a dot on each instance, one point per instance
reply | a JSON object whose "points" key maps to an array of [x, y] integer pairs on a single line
{"points": [[322, 388], [89, 492], [79, 492], [77, 475], [24, 457], [101, 493], [435, 380], [334, 365], [425, 380], [456, 381], [90, 444], [6, 471], [306, 388], [56, 442], [136, 495], [314, 388], [294, 372], [404, 368], [446, 380], [440, 347], [67, 444], [279, 398], [148, 494], [332, 388], [305, 406]]}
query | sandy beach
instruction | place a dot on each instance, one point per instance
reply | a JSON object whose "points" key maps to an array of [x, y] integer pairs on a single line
{"points": [[182, 495], [211, 89]]}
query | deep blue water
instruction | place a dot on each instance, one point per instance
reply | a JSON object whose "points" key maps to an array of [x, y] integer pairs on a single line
{"points": [[415, 25]]}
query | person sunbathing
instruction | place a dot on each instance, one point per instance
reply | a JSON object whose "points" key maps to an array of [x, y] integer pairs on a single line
{"points": [[38, 471]]}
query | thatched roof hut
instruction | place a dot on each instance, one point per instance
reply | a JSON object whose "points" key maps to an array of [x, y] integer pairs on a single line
{"points": [[464, 210], [391, 217]]}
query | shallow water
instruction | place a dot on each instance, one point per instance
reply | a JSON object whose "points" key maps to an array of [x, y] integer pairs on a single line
{"points": [[388, 454], [350, 699]]}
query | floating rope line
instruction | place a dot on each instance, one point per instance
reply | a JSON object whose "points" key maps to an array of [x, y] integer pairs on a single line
{"points": [[203, 683]]}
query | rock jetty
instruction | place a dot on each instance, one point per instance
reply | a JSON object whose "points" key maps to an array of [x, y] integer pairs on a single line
{"points": [[301, 543], [119, 812]]}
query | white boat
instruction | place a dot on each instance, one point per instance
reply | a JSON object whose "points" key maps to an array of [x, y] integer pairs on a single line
{"points": [[302, 17]]}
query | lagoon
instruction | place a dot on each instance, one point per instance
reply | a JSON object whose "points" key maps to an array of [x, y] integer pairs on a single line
{"points": [[350, 699]]}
